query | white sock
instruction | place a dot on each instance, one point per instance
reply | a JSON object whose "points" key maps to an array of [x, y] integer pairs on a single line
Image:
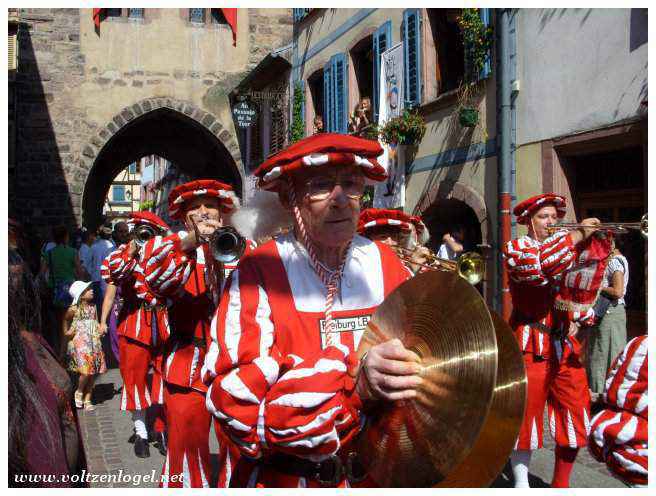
{"points": [[139, 417], [519, 462]]}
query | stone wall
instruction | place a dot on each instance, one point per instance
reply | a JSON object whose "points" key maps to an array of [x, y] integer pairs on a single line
{"points": [[74, 80], [51, 125]]}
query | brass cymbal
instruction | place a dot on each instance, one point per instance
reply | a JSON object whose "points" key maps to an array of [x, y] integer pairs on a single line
{"points": [[497, 438], [416, 443]]}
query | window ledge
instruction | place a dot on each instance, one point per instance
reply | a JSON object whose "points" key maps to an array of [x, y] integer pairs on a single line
{"points": [[445, 100]]}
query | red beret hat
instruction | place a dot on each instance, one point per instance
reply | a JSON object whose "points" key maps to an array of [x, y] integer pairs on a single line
{"points": [[322, 149], [147, 218], [373, 217], [528, 207], [183, 193]]}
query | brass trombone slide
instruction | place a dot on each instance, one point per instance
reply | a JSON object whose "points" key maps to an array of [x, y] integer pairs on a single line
{"points": [[470, 266], [614, 227]]}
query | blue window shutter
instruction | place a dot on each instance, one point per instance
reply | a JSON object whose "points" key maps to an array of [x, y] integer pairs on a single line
{"points": [[299, 14], [327, 98], [487, 67], [340, 92], [382, 41], [412, 56], [118, 193]]}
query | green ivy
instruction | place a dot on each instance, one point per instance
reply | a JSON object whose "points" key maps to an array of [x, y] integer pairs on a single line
{"points": [[297, 131], [147, 205]]}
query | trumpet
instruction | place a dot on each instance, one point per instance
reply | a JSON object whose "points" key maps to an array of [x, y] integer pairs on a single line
{"points": [[470, 265], [614, 227], [142, 234], [226, 244]]}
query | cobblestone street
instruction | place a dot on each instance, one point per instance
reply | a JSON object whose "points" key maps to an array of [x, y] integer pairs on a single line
{"points": [[107, 429]]}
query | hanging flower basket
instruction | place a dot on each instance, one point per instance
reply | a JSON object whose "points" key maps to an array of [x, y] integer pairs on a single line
{"points": [[407, 129], [468, 117]]}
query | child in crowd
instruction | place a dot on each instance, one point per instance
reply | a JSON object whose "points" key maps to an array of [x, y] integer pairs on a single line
{"points": [[84, 349]]}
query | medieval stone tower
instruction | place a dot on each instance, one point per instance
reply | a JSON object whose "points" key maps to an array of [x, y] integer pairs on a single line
{"points": [[89, 100]]}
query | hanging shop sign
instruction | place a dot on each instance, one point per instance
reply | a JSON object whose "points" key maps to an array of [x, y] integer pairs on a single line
{"points": [[245, 114]]}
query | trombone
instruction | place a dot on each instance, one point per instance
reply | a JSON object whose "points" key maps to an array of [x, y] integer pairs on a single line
{"points": [[470, 265], [614, 227]]}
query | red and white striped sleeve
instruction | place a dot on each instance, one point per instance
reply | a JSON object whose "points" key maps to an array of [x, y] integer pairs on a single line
{"points": [[619, 433], [313, 409], [266, 401], [241, 363], [522, 259], [167, 268], [557, 254], [118, 266], [626, 382]]}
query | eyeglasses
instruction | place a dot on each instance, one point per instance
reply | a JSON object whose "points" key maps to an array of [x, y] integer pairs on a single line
{"points": [[320, 188]]}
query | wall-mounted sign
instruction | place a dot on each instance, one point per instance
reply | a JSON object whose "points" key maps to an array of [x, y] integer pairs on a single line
{"points": [[245, 114]]}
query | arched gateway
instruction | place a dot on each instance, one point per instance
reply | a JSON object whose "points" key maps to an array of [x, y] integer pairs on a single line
{"points": [[179, 131]]}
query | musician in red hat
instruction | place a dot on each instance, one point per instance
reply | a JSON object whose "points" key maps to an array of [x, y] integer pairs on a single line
{"points": [[137, 330], [406, 234], [182, 270], [537, 265], [285, 381]]}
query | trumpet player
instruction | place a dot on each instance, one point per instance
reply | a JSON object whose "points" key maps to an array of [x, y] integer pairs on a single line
{"points": [[398, 230], [537, 264], [137, 325], [182, 270], [284, 379]]}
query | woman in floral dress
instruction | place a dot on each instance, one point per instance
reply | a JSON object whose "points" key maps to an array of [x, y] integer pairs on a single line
{"points": [[85, 354]]}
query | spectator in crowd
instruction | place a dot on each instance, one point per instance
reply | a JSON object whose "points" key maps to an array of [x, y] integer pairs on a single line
{"points": [[61, 266], [88, 238], [120, 233], [318, 125], [111, 306], [102, 247], [361, 116], [619, 433], [453, 244], [609, 338], [14, 238], [43, 433], [84, 349]]}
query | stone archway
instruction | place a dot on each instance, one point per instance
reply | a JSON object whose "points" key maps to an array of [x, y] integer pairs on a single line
{"points": [[446, 190], [179, 131], [454, 196]]}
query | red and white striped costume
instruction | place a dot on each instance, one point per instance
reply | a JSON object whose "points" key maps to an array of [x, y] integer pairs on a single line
{"points": [[136, 321], [192, 290], [619, 433], [274, 387], [554, 371]]}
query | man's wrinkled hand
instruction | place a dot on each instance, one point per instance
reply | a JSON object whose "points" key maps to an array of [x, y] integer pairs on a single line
{"points": [[389, 372]]}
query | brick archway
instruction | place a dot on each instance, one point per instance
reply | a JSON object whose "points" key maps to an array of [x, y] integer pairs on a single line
{"points": [[96, 167], [454, 190]]}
